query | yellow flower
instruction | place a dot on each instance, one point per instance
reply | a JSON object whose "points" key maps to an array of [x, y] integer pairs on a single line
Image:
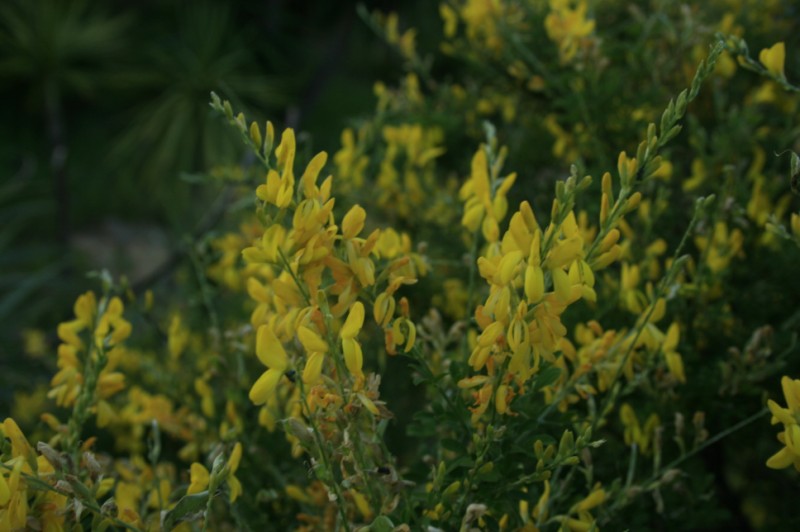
{"points": [[234, 485], [361, 504], [112, 320], [353, 356], [19, 443], [789, 416], [270, 352], [568, 27], [485, 346], [725, 245], [177, 337], [353, 222], [773, 58], [635, 433], [584, 521], [308, 181], [35, 342], [354, 322], [795, 224], [672, 357], [313, 369], [311, 341], [200, 478], [383, 309], [404, 42], [402, 333], [350, 162], [595, 498], [450, 19], [482, 209], [480, 18], [279, 188]]}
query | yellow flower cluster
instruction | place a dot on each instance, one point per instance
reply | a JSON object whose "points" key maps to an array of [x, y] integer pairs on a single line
{"points": [[78, 361], [568, 26], [20, 504], [303, 254], [406, 184], [320, 278], [201, 479], [480, 18], [521, 320]]}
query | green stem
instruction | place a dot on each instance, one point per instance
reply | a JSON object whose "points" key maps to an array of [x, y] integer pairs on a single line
{"points": [[473, 269], [86, 396], [205, 292], [434, 381], [610, 224], [358, 451], [91, 504], [467, 486], [326, 462], [207, 516], [709, 442], [662, 288], [300, 286]]}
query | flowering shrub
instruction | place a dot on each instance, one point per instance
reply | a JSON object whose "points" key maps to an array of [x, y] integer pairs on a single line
{"points": [[427, 340]]}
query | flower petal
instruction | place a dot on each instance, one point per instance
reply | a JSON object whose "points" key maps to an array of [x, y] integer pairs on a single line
{"points": [[781, 459], [313, 368], [354, 322], [199, 478], [773, 58], [791, 391], [311, 341], [235, 458], [264, 386], [269, 349], [353, 357]]}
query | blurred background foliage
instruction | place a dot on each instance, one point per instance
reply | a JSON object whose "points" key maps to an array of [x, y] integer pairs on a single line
{"points": [[106, 127]]}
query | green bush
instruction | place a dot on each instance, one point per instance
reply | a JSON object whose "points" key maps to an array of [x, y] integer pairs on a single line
{"points": [[460, 328]]}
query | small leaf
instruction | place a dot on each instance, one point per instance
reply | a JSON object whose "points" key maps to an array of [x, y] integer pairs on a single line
{"points": [[672, 133], [79, 488], [381, 524], [794, 173], [100, 523], [186, 510], [462, 461], [547, 376]]}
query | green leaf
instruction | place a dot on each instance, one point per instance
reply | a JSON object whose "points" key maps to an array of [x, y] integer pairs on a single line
{"points": [[79, 488], [381, 524], [185, 510], [101, 523], [462, 461], [547, 377]]}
